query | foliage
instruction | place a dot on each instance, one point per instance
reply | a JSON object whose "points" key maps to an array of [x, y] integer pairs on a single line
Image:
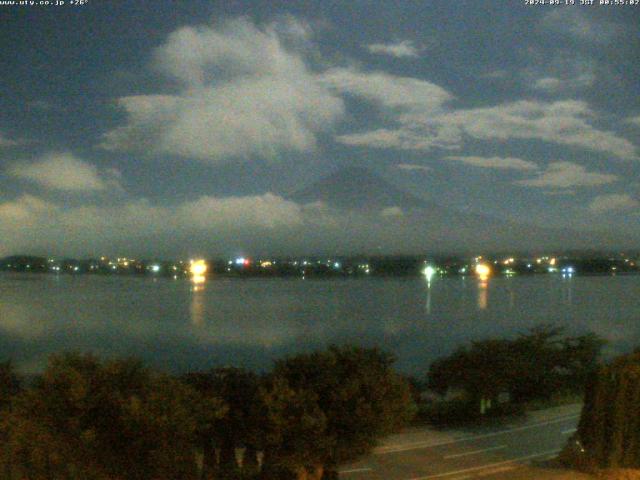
{"points": [[293, 428], [460, 412], [237, 428], [532, 366], [360, 395], [609, 426], [87, 419], [9, 384]]}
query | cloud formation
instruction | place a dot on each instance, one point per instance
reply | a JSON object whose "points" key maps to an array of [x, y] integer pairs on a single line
{"points": [[613, 202], [242, 92], [502, 163], [575, 23], [391, 212], [561, 72], [30, 223], [424, 119], [402, 49], [411, 167], [255, 225], [567, 175], [246, 91], [65, 172], [566, 122], [548, 84], [387, 90]]}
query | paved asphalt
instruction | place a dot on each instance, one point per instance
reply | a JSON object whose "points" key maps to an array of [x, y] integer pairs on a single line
{"points": [[490, 452]]}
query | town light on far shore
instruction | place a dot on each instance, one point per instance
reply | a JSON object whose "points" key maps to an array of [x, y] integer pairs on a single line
{"points": [[429, 272], [197, 269], [483, 271]]}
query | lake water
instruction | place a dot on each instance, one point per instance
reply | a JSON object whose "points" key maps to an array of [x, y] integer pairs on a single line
{"points": [[173, 325]]}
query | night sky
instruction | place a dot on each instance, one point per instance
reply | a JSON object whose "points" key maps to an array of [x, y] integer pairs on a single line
{"points": [[186, 127]]}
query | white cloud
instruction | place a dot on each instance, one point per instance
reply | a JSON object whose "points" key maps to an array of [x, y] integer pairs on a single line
{"points": [[562, 72], [23, 210], [416, 104], [565, 122], [567, 175], [495, 162], [389, 91], [391, 212], [424, 120], [574, 22], [410, 167], [404, 139], [29, 222], [264, 211], [64, 171], [242, 93], [549, 84], [613, 202], [245, 91], [557, 85], [405, 48]]}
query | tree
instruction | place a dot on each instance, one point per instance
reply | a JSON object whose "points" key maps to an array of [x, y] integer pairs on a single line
{"points": [[532, 366], [609, 427], [357, 391], [482, 370], [292, 431], [237, 388], [88, 419], [9, 388], [9, 384]]}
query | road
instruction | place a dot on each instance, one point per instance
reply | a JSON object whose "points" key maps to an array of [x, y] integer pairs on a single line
{"points": [[499, 452]]}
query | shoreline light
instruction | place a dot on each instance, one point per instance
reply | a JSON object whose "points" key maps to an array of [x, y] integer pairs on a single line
{"points": [[198, 268], [483, 271], [429, 272]]}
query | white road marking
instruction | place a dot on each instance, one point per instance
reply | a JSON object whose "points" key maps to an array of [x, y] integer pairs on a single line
{"points": [[568, 432], [356, 470], [493, 471], [474, 452], [419, 445], [484, 467]]}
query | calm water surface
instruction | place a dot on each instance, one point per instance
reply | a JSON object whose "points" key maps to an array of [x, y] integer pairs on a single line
{"points": [[176, 327]]}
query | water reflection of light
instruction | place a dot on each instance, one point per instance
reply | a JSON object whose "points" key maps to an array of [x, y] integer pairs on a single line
{"points": [[197, 308], [568, 288], [428, 301], [483, 296]]}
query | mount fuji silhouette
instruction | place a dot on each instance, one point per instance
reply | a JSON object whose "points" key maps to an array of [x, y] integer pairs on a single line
{"points": [[412, 222], [357, 188]]}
